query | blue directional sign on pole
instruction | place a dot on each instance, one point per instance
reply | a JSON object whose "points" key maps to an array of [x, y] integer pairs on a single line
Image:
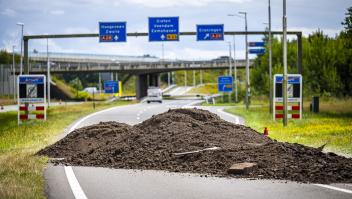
{"points": [[257, 51], [257, 44], [111, 87], [112, 32], [163, 29], [225, 84], [210, 32]]}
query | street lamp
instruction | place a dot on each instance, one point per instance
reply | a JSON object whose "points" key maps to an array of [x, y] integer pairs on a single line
{"points": [[48, 68], [247, 65], [234, 57], [21, 24], [230, 65], [13, 74]]}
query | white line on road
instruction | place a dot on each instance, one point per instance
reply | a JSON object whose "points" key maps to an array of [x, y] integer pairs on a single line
{"points": [[189, 105], [137, 118], [76, 188], [334, 188], [138, 114], [141, 111], [145, 109], [237, 120], [72, 180]]}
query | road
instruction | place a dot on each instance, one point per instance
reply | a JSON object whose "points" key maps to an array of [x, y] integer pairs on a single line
{"points": [[15, 107], [93, 182]]}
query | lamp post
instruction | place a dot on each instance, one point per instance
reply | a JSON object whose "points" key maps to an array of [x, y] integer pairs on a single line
{"points": [[21, 24], [247, 61], [284, 81], [48, 68], [270, 63], [234, 57], [230, 66], [247, 65], [13, 74]]}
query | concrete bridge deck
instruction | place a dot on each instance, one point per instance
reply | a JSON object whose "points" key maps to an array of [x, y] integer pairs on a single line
{"points": [[132, 68]]}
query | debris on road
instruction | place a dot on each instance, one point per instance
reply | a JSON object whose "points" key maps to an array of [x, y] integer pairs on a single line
{"points": [[152, 145]]}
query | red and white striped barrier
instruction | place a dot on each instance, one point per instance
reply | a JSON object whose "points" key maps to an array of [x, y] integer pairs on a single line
{"points": [[293, 116], [33, 108], [31, 117], [289, 108]]}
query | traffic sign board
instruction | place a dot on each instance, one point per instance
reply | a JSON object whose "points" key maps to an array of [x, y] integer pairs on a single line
{"points": [[112, 32], [163, 29], [290, 79], [111, 87], [225, 84], [257, 51], [257, 44], [210, 32]]}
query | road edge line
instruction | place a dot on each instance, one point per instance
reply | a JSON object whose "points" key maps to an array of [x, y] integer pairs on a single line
{"points": [[75, 187], [237, 119], [334, 188]]}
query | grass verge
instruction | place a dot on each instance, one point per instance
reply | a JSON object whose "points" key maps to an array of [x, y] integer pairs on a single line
{"points": [[21, 173], [314, 130]]}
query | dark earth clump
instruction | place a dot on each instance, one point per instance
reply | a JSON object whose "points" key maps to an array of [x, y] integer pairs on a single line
{"points": [[153, 143]]}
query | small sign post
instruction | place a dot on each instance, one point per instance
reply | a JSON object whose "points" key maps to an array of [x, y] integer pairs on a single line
{"points": [[294, 94], [31, 88]]}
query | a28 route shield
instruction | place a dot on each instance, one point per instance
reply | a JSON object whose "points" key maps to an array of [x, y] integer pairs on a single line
{"points": [[112, 32]]}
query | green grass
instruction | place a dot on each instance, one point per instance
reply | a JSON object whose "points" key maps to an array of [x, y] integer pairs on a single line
{"points": [[333, 128], [20, 172]]}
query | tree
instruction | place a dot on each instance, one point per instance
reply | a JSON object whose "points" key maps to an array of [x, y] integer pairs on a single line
{"points": [[348, 21], [35, 51]]}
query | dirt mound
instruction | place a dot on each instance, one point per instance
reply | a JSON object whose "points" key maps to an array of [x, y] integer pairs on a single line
{"points": [[156, 142]]}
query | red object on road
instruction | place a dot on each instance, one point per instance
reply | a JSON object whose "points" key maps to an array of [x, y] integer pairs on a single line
{"points": [[266, 132], [2, 106], [60, 101]]}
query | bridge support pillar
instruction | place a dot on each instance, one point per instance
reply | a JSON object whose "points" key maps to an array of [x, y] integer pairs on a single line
{"points": [[141, 86], [154, 79]]}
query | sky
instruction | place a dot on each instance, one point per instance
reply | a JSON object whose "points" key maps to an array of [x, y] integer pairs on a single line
{"points": [[83, 16]]}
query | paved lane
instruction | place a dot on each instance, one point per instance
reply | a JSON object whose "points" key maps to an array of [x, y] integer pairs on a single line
{"points": [[121, 183]]}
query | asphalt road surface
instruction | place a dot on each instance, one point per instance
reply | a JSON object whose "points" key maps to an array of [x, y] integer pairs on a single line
{"points": [[93, 182]]}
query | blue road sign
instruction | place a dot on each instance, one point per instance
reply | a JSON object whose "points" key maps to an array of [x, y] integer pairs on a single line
{"points": [[257, 44], [290, 79], [31, 80], [210, 32], [225, 84], [111, 86], [112, 32], [257, 51], [163, 29]]}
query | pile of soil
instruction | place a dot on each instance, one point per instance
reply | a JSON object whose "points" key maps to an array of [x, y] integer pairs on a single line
{"points": [[152, 145]]}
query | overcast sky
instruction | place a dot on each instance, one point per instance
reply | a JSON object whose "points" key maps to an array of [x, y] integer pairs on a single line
{"points": [[83, 16]]}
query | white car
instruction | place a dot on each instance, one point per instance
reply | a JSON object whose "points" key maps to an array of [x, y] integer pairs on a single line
{"points": [[154, 95]]}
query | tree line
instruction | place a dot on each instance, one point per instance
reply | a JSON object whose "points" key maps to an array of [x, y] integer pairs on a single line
{"points": [[326, 63]]}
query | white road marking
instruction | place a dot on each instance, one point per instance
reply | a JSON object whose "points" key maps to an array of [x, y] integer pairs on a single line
{"points": [[189, 105], [237, 119], [138, 114], [334, 188], [137, 118], [72, 180], [145, 109], [141, 111]]}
